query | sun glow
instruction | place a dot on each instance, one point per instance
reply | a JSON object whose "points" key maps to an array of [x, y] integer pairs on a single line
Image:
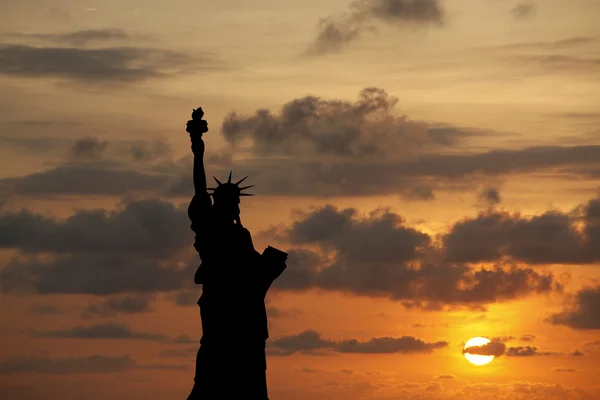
{"points": [[477, 359]]}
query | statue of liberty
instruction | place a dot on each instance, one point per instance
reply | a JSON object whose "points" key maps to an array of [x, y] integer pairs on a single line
{"points": [[235, 278]]}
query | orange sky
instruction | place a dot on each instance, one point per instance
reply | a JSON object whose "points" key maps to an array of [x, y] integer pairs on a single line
{"points": [[430, 166]]}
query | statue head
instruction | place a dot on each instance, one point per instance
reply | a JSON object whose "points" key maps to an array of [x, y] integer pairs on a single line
{"points": [[226, 198]]}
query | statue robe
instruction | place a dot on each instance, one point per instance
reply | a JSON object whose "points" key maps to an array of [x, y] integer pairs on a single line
{"points": [[235, 279]]}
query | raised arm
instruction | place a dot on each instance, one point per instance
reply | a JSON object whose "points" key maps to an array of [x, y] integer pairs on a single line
{"points": [[199, 173]]}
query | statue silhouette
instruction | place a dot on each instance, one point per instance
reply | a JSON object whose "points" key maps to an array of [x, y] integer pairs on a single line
{"points": [[235, 278]]}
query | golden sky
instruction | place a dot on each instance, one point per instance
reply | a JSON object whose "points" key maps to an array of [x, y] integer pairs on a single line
{"points": [[431, 167]]}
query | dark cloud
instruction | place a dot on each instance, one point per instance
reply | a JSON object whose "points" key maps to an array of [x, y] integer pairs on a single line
{"points": [[446, 376], [419, 192], [348, 175], [368, 128], [302, 342], [116, 65], [92, 166], [100, 178], [396, 265], [592, 347], [379, 237], [309, 341], [95, 364], [490, 196], [557, 63], [93, 273], [552, 44], [490, 349], [76, 365], [584, 313], [150, 151], [275, 312], [176, 353], [404, 344], [302, 270], [564, 370], [128, 304], [148, 227], [48, 309], [503, 339], [182, 339], [331, 147], [497, 349], [553, 237], [109, 330], [185, 297], [576, 353], [179, 367], [524, 10], [80, 37], [528, 337], [336, 32], [88, 148], [521, 351]]}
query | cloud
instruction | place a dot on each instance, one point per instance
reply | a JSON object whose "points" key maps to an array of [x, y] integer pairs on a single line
{"points": [[503, 339], [48, 309], [592, 347], [109, 330], [75, 365], [524, 10], [97, 167], [128, 304], [527, 337], [88, 148], [584, 313], [81, 37], [521, 351], [185, 297], [490, 349], [148, 227], [553, 237], [380, 236], [398, 266], [564, 370], [331, 147], [175, 353], [497, 349], [276, 312], [557, 63], [336, 32], [309, 341], [565, 43], [96, 364], [490, 197], [305, 341], [100, 178], [404, 345], [94, 273], [446, 376], [115, 65], [367, 128]]}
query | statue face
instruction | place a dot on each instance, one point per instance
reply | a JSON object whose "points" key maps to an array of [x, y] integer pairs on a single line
{"points": [[228, 208]]}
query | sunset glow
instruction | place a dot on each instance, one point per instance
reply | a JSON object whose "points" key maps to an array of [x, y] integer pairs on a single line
{"points": [[430, 167]]}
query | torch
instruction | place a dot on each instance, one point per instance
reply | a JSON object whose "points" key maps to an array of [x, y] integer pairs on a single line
{"points": [[196, 127]]}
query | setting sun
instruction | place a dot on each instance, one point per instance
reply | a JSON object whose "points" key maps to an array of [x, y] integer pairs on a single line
{"points": [[477, 359]]}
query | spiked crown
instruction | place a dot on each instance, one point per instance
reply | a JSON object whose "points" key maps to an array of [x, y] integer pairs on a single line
{"points": [[229, 190]]}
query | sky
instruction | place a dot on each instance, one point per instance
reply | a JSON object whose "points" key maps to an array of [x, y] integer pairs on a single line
{"points": [[431, 167]]}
